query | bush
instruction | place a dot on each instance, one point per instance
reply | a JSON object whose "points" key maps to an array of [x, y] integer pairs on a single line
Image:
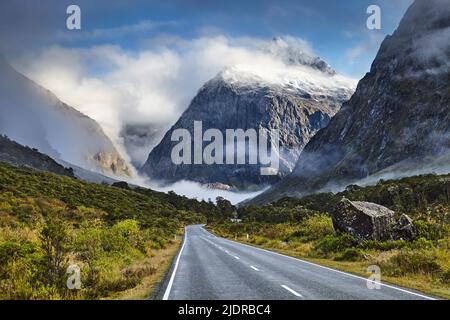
{"points": [[421, 243], [415, 262], [431, 230], [445, 278], [314, 228], [259, 240], [350, 254], [382, 245], [13, 250], [335, 243], [54, 239]]}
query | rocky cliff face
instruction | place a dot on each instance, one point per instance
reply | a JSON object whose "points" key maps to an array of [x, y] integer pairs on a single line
{"points": [[35, 117], [397, 120], [298, 101]]}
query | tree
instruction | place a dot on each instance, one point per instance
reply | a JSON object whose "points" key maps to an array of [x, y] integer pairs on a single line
{"points": [[54, 239], [225, 207]]}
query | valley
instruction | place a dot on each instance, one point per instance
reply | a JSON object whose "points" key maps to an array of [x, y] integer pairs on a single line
{"points": [[303, 183]]}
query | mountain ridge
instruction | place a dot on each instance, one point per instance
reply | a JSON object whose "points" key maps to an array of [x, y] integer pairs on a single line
{"points": [[298, 101], [18, 155], [400, 111], [35, 117]]}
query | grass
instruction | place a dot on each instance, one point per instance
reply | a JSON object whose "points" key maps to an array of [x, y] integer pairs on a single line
{"points": [[160, 264], [122, 240]]}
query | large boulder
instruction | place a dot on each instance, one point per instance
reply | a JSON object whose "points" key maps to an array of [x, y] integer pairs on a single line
{"points": [[404, 229], [363, 220]]}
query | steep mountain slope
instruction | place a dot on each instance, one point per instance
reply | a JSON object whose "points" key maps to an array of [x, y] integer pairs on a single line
{"points": [[298, 97], [35, 117], [18, 155], [397, 120], [138, 139]]}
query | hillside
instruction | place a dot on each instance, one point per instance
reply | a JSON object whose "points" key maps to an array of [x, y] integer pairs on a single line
{"points": [[18, 155], [35, 117], [118, 237]]}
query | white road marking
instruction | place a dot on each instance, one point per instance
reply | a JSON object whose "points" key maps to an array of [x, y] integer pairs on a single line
{"points": [[237, 258], [331, 269], [254, 268], [295, 293], [172, 277]]}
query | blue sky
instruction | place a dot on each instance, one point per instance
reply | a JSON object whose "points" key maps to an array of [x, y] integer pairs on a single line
{"points": [[335, 29]]}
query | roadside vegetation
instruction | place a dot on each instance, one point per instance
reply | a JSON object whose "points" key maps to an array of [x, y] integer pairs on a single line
{"points": [[303, 228], [121, 239]]}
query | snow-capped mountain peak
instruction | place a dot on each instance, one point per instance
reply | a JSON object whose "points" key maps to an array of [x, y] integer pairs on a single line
{"points": [[289, 64], [297, 79], [296, 52]]}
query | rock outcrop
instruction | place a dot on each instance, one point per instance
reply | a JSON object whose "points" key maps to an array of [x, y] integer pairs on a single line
{"points": [[404, 229], [363, 220]]}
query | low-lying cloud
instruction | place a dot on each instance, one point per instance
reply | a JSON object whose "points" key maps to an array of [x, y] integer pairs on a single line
{"points": [[128, 90], [150, 86], [195, 190]]}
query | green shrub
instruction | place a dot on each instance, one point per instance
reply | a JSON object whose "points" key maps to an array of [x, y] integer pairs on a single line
{"points": [[430, 229], [445, 278], [415, 262], [259, 240], [382, 245], [13, 250], [421, 243], [335, 243], [314, 228], [350, 254]]}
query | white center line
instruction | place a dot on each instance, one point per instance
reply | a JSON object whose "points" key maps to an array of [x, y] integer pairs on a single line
{"points": [[295, 293], [237, 257], [254, 268]]}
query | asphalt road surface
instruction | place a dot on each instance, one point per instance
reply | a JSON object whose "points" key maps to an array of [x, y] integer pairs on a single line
{"points": [[212, 268]]}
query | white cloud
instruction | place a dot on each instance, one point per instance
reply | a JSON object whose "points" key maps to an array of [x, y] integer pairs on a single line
{"points": [[195, 190], [152, 85], [366, 47], [155, 84]]}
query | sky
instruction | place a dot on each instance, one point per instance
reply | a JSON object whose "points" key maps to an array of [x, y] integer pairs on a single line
{"points": [[336, 29], [140, 63]]}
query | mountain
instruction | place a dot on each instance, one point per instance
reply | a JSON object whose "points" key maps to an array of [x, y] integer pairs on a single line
{"points": [[138, 139], [35, 117], [398, 121], [297, 96], [18, 155]]}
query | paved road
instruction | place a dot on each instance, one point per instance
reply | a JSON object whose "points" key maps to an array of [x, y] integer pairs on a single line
{"points": [[209, 267]]}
